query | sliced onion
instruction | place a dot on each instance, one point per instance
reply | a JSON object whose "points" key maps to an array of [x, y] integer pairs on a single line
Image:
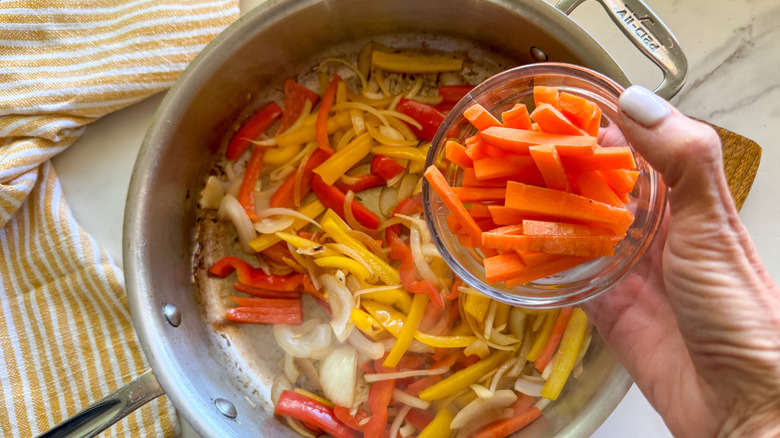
{"points": [[279, 385], [363, 82], [212, 194], [338, 375], [350, 217], [395, 426], [290, 370], [406, 189], [480, 407], [500, 373], [273, 224], [278, 211], [401, 116], [542, 403], [376, 377], [341, 305], [299, 427], [478, 347], [308, 368], [422, 266], [363, 107], [310, 339], [372, 350], [388, 135], [410, 400], [387, 200], [231, 209], [529, 387]]}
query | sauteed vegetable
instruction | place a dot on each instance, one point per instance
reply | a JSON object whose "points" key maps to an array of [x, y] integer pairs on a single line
{"points": [[379, 337]]}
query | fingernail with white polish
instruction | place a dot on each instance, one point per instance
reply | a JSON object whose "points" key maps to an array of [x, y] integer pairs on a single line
{"points": [[643, 106]]}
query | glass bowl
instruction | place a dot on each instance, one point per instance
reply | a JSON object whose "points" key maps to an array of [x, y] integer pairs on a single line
{"points": [[647, 200]]}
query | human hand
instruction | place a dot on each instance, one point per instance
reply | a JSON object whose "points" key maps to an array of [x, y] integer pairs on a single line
{"points": [[697, 323]]}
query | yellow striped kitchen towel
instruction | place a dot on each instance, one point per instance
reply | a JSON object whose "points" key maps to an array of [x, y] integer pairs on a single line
{"points": [[66, 338]]}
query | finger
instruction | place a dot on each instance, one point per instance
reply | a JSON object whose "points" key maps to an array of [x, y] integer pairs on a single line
{"points": [[687, 153]]}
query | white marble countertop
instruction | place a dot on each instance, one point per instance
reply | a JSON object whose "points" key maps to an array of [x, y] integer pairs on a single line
{"points": [[733, 82]]}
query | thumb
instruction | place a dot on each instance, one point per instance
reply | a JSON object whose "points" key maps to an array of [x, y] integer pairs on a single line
{"points": [[687, 153]]}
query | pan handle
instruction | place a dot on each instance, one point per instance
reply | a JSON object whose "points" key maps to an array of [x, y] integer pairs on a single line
{"points": [[649, 34], [110, 409]]}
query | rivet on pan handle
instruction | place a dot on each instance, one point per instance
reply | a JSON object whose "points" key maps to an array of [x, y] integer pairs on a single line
{"points": [[650, 35], [110, 409]]}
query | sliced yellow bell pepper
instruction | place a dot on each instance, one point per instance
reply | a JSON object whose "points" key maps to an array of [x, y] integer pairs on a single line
{"points": [[419, 166], [345, 263], [402, 63], [463, 378], [502, 316], [336, 229], [281, 154], [403, 152], [393, 321], [393, 297], [568, 351], [440, 425], [307, 245], [339, 163], [307, 131], [406, 336], [314, 396], [476, 306], [366, 323], [265, 241], [544, 335]]}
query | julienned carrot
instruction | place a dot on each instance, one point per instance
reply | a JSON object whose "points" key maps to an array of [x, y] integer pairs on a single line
{"points": [[549, 228], [584, 113], [549, 164], [517, 117], [497, 167], [479, 194], [536, 258], [480, 117], [543, 201], [506, 216], [322, 114], [552, 121], [502, 267], [451, 201], [591, 184], [559, 264], [479, 210], [621, 180], [477, 148], [555, 338], [581, 246], [619, 157], [548, 95], [456, 153], [526, 175], [518, 140], [508, 229], [508, 426]]}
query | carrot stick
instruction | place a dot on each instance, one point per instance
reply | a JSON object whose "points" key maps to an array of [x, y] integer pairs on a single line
{"points": [[619, 157], [536, 258], [246, 194], [548, 95], [517, 117], [508, 229], [552, 121], [621, 180], [479, 210], [479, 194], [526, 175], [508, 426], [503, 267], [453, 224], [545, 270], [480, 117], [584, 113], [477, 148], [506, 216], [518, 140], [456, 153], [549, 164], [555, 338], [497, 167], [547, 228], [322, 115], [581, 246], [453, 203], [592, 185], [542, 201]]}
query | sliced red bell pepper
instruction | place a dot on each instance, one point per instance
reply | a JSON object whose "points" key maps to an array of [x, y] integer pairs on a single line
{"points": [[362, 182], [451, 95], [306, 409], [399, 250], [380, 394], [419, 418], [385, 167], [284, 196], [255, 277], [266, 310], [264, 293], [255, 126], [333, 198], [322, 115], [429, 117], [353, 421], [295, 97], [246, 194]]}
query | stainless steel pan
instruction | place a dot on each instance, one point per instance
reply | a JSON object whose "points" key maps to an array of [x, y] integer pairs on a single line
{"points": [[219, 376]]}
